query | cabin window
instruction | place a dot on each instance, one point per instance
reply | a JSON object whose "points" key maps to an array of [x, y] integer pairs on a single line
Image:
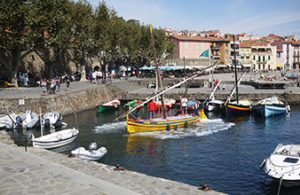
{"points": [[291, 160]]}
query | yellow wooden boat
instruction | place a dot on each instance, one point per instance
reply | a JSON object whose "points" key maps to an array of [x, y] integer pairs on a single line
{"points": [[160, 124]]}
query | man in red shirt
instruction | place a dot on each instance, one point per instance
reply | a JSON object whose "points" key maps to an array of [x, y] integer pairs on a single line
{"points": [[152, 109]]}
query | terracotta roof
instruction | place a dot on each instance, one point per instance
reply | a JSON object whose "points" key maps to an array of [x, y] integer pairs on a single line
{"points": [[278, 45], [273, 37], [199, 38], [295, 43], [250, 43]]}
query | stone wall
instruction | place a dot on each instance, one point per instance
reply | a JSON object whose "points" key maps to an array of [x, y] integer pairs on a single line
{"points": [[65, 103]]}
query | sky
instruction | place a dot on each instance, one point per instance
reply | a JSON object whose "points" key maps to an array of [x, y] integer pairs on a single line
{"points": [[258, 17]]}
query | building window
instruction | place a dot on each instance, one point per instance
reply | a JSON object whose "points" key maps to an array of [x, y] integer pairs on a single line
{"points": [[264, 59], [278, 55], [269, 57], [253, 57], [259, 60], [186, 45]]}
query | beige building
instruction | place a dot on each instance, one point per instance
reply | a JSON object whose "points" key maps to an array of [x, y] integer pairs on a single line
{"points": [[259, 53]]}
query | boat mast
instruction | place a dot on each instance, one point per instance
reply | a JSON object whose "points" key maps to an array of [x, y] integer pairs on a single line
{"points": [[235, 71], [157, 71]]}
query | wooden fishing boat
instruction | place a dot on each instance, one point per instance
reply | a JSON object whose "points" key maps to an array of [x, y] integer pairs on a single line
{"points": [[238, 107], [270, 107], [241, 107], [112, 105], [161, 124]]}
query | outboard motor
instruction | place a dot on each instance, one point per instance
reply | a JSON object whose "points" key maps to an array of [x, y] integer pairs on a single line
{"points": [[19, 122], [93, 146], [47, 122]]}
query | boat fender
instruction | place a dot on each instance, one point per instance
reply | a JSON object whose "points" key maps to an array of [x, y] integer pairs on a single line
{"points": [[168, 127], [175, 127], [263, 163], [186, 124]]}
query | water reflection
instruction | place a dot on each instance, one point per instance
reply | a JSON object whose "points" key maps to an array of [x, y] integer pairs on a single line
{"points": [[139, 144]]}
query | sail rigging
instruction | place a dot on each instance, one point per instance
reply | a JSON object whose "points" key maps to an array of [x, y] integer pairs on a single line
{"points": [[166, 90]]}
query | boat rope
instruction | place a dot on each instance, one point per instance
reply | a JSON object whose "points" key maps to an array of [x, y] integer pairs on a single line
{"points": [[212, 93], [234, 89], [166, 90], [278, 192]]}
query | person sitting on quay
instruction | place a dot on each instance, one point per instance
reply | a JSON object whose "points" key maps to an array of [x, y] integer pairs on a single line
{"points": [[205, 187]]}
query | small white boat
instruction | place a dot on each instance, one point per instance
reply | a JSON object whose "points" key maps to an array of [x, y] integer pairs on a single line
{"points": [[53, 119], [92, 154], [214, 105], [8, 121], [284, 164], [54, 140], [28, 119]]}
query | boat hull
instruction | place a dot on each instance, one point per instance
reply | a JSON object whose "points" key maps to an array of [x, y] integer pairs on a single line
{"points": [[270, 110], [55, 140], [135, 126], [106, 108], [283, 164], [237, 109], [92, 155]]}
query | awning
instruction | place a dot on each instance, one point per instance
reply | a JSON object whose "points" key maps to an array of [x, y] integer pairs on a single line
{"points": [[280, 65], [221, 66], [247, 65]]}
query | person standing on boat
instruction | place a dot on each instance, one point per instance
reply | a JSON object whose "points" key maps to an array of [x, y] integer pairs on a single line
{"points": [[139, 109], [152, 109], [184, 101]]}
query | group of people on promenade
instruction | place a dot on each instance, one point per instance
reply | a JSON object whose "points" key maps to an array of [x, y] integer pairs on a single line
{"points": [[51, 86]]}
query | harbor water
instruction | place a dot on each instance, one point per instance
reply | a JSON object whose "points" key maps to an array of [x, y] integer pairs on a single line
{"points": [[224, 153]]}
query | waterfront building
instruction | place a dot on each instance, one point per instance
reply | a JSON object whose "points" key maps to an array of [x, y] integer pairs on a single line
{"points": [[296, 54], [191, 48], [284, 54], [263, 54], [245, 55]]}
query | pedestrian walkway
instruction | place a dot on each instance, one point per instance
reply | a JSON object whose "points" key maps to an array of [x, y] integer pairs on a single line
{"points": [[44, 172]]}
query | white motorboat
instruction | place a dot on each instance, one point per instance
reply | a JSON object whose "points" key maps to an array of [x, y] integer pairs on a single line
{"points": [[284, 164], [92, 154], [214, 105], [28, 119], [8, 121], [53, 119], [54, 140]]}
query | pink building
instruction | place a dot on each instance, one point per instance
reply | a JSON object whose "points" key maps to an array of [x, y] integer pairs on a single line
{"points": [[190, 47]]}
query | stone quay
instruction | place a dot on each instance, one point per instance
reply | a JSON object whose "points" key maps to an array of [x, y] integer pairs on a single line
{"points": [[84, 95]]}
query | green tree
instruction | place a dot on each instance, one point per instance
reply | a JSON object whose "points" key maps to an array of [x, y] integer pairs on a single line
{"points": [[14, 39], [81, 41], [50, 23]]}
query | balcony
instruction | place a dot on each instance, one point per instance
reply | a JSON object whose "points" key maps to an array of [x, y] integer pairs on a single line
{"points": [[215, 48]]}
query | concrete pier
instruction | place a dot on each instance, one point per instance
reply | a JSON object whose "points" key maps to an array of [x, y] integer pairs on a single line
{"points": [[40, 171]]}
